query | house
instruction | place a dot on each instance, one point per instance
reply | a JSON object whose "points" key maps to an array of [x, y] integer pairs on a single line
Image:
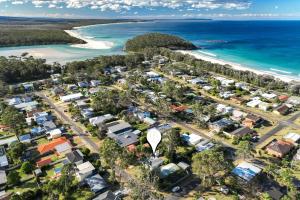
{"points": [[55, 77], [4, 128], [155, 162], [294, 100], [180, 108], [197, 81], [71, 97], [25, 138], [120, 69], [269, 96], [292, 137], [221, 108], [225, 82], [28, 86], [3, 178], [95, 121], [57, 91], [72, 87], [43, 162], [282, 110], [96, 183], [237, 100], [3, 158], [125, 139], [49, 125], [75, 157], [220, 125], [37, 172], [83, 84], [118, 127], [238, 115], [204, 145], [279, 148], [8, 141], [191, 139], [94, 90], [27, 105], [108, 195], [240, 132], [37, 131], [226, 95], [264, 106], [84, 170], [149, 121], [44, 148], [81, 104], [14, 101], [95, 83], [283, 98], [63, 149], [87, 113], [246, 171], [252, 121], [296, 157], [254, 103], [167, 170]]}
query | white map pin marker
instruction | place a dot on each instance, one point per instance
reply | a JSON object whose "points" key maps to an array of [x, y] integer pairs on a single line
{"points": [[154, 138]]}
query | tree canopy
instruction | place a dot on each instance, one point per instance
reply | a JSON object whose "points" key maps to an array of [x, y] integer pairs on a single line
{"points": [[158, 40]]}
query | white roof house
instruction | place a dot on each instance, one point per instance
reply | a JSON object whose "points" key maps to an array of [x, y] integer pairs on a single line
{"points": [[3, 179], [8, 141], [55, 133], [152, 74], [3, 161], [264, 106], [238, 115], [294, 137], [95, 121], [269, 96], [192, 139], [63, 148], [84, 170], [295, 100], [71, 97], [23, 106], [254, 103]]}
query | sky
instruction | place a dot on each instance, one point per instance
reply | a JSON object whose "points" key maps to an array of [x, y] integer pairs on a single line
{"points": [[153, 9]]}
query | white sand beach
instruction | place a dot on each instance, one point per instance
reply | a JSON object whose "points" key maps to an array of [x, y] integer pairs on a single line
{"points": [[90, 44], [213, 59]]}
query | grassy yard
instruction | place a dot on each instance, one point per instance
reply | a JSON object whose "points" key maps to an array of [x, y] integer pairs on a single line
{"points": [[50, 173], [42, 141], [279, 135]]}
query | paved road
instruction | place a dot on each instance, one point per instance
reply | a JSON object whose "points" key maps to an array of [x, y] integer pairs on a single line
{"points": [[279, 127], [66, 119]]}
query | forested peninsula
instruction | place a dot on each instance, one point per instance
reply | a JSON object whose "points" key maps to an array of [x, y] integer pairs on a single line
{"points": [[158, 40], [16, 31]]}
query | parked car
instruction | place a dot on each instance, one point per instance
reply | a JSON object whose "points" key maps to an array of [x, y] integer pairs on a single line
{"points": [[176, 189]]}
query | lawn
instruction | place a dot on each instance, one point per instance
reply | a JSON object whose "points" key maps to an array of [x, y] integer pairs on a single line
{"points": [[279, 135], [42, 141], [50, 173]]}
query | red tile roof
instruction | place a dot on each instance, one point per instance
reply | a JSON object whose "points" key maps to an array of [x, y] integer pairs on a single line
{"points": [[44, 148], [44, 162], [179, 108]]}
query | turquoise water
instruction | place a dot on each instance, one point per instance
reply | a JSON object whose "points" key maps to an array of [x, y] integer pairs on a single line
{"points": [[263, 45]]}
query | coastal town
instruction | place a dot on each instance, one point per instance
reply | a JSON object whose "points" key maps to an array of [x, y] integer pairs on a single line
{"points": [[75, 136]]}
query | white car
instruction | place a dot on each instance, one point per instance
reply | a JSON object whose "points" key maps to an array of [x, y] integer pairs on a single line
{"points": [[176, 189]]}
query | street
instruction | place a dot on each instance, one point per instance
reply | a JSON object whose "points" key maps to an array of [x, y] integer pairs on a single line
{"points": [[66, 119]]}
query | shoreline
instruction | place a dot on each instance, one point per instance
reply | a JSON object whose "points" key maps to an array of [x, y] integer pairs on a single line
{"points": [[90, 44], [213, 59]]}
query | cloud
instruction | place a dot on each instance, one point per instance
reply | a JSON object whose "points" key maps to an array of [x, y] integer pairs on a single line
{"points": [[121, 5]]}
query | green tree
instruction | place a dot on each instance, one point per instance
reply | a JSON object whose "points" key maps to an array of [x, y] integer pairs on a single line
{"points": [[27, 167], [12, 118], [13, 178], [209, 165], [171, 141], [244, 150], [16, 151], [110, 152]]}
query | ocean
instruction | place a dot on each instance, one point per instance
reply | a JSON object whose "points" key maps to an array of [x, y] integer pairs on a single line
{"points": [[268, 46]]}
